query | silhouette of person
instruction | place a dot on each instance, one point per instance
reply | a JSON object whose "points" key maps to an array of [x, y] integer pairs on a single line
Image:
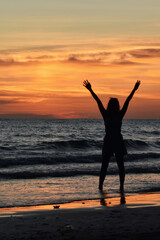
{"points": [[113, 140]]}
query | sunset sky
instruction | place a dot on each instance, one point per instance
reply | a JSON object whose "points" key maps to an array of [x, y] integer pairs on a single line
{"points": [[48, 47]]}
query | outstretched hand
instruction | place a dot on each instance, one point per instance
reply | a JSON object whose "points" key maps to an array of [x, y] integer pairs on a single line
{"points": [[137, 85], [87, 84]]}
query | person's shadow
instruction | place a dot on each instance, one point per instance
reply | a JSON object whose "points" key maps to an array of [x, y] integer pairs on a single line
{"points": [[104, 197]]}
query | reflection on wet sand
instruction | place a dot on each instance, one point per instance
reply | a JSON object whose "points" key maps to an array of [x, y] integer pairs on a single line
{"points": [[104, 198]]}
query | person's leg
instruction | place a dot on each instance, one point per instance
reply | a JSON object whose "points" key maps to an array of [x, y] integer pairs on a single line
{"points": [[120, 163], [103, 171]]}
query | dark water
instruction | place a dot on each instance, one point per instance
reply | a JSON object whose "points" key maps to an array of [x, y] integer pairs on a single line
{"points": [[61, 158]]}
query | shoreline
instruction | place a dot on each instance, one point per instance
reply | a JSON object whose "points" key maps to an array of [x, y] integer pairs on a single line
{"points": [[128, 201], [105, 218]]}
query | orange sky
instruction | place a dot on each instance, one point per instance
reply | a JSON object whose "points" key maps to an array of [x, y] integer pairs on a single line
{"points": [[43, 65]]}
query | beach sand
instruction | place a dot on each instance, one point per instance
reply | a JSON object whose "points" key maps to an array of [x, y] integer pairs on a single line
{"points": [[104, 218]]}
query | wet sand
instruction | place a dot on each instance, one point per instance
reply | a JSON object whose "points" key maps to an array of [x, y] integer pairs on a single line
{"points": [[104, 218]]}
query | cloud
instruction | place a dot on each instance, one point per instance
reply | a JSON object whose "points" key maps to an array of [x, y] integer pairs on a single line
{"points": [[145, 53], [11, 100], [41, 57], [55, 53], [7, 82], [124, 62], [12, 62], [3, 102], [7, 93], [73, 59], [68, 55], [78, 60], [46, 59], [15, 97], [19, 97], [48, 48], [26, 116], [124, 59], [34, 48], [89, 57]]}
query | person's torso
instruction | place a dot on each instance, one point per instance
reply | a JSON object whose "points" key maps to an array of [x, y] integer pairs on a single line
{"points": [[113, 125]]}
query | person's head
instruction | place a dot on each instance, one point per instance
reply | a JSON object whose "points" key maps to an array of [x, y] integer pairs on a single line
{"points": [[113, 106]]}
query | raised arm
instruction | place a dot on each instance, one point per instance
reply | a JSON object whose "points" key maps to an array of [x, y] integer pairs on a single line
{"points": [[100, 105], [125, 106]]}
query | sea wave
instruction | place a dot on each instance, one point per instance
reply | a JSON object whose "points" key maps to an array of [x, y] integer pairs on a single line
{"points": [[74, 172], [52, 160], [135, 143], [72, 144], [48, 160], [154, 132], [7, 148], [87, 144], [75, 145]]}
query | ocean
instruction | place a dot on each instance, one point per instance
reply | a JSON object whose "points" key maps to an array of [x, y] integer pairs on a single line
{"points": [[58, 160]]}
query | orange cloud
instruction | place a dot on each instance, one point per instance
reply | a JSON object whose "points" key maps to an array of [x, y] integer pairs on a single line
{"points": [[48, 80]]}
